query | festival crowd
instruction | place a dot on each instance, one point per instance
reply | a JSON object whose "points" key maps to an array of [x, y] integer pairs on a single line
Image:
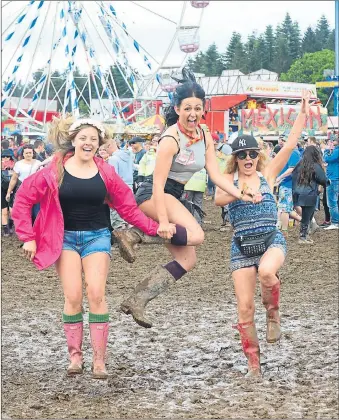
{"points": [[71, 199]]}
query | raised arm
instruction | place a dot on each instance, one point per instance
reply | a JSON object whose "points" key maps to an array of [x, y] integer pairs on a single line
{"points": [[222, 198], [279, 161], [221, 181]]}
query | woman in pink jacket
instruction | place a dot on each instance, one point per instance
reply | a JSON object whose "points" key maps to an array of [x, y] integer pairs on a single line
{"points": [[71, 229]]}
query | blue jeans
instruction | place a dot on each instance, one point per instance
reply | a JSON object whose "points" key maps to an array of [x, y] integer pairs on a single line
{"points": [[88, 242], [210, 187], [332, 201]]}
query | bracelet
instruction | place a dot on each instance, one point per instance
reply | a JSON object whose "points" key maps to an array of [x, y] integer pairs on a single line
{"points": [[241, 195]]}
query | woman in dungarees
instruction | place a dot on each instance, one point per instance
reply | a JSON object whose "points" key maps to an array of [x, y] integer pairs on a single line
{"points": [[183, 150], [257, 245]]}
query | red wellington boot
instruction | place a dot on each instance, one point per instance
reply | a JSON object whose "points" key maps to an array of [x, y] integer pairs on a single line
{"points": [[270, 298], [99, 338], [74, 333], [250, 346]]}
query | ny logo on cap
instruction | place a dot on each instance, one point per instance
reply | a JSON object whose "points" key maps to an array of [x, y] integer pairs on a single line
{"points": [[242, 142]]}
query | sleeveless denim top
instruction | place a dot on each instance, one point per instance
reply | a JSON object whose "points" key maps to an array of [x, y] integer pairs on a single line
{"points": [[248, 218], [188, 160]]}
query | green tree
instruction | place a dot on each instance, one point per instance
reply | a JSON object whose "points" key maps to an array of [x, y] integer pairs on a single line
{"points": [[261, 51], [212, 65], [331, 41], [120, 83], [282, 60], [322, 33], [270, 47], [234, 52], [196, 64], [309, 41], [250, 48], [291, 33], [295, 41], [309, 69]]}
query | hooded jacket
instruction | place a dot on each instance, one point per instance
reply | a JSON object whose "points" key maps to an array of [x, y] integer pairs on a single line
{"points": [[48, 229], [122, 161]]}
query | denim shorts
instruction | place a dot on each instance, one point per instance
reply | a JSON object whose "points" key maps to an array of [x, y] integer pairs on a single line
{"points": [[238, 260], [88, 242]]}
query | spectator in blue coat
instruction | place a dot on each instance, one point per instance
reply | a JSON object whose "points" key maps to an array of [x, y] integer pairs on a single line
{"points": [[331, 158], [285, 202]]}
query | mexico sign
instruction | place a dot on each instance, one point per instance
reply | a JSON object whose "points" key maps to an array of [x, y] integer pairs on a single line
{"points": [[278, 119]]}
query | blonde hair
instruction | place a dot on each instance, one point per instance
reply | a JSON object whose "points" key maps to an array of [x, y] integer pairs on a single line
{"points": [[59, 135], [232, 165]]}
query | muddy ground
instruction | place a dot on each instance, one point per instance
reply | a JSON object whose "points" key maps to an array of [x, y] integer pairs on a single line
{"points": [[189, 365]]}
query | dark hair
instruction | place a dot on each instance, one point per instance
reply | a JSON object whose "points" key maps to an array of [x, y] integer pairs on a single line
{"points": [[187, 88], [38, 143], [4, 144], [311, 156], [18, 139], [27, 146]]}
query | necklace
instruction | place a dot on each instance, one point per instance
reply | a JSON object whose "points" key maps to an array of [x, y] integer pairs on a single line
{"points": [[193, 139]]}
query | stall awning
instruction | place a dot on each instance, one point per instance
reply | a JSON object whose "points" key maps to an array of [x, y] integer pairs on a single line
{"points": [[222, 103]]}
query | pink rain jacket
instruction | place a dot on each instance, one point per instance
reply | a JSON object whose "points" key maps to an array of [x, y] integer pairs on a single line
{"points": [[48, 229]]}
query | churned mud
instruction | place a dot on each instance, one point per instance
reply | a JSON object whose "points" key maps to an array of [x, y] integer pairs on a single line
{"points": [[190, 364]]}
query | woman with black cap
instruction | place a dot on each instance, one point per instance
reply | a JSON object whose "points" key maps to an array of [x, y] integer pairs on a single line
{"points": [[183, 150], [257, 245]]}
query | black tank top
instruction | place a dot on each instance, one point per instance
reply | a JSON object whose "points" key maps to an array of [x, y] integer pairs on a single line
{"points": [[82, 203]]}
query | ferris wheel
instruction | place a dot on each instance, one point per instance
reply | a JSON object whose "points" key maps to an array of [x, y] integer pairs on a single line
{"points": [[95, 58]]}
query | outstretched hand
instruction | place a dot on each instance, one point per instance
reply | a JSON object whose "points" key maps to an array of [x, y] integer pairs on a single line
{"points": [[305, 101]]}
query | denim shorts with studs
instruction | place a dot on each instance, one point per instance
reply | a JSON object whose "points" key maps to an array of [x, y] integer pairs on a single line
{"points": [[87, 242]]}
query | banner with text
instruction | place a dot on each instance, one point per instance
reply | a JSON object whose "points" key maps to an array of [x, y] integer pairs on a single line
{"points": [[279, 119]]}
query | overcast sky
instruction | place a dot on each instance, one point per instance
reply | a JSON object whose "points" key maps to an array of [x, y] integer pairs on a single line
{"points": [[221, 18], [154, 33]]}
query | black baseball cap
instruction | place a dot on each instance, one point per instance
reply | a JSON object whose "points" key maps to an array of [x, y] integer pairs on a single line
{"points": [[7, 153], [244, 142], [136, 140]]}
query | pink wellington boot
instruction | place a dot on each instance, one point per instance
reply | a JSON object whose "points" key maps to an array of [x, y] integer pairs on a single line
{"points": [[270, 299], [74, 332], [250, 346], [99, 338]]}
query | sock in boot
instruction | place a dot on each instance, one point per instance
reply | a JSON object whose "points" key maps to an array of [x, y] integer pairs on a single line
{"points": [[98, 326], [73, 328], [175, 269], [180, 237]]}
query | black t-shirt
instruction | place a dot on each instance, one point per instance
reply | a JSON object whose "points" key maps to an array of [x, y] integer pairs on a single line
{"points": [[82, 203]]}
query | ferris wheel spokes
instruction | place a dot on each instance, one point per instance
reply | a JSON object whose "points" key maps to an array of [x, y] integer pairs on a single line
{"points": [[32, 61]]}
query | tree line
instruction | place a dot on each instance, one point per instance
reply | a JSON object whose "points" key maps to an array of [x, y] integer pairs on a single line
{"points": [[276, 49]]}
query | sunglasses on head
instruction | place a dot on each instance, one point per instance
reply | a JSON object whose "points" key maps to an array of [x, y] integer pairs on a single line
{"points": [[253, 154]]}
